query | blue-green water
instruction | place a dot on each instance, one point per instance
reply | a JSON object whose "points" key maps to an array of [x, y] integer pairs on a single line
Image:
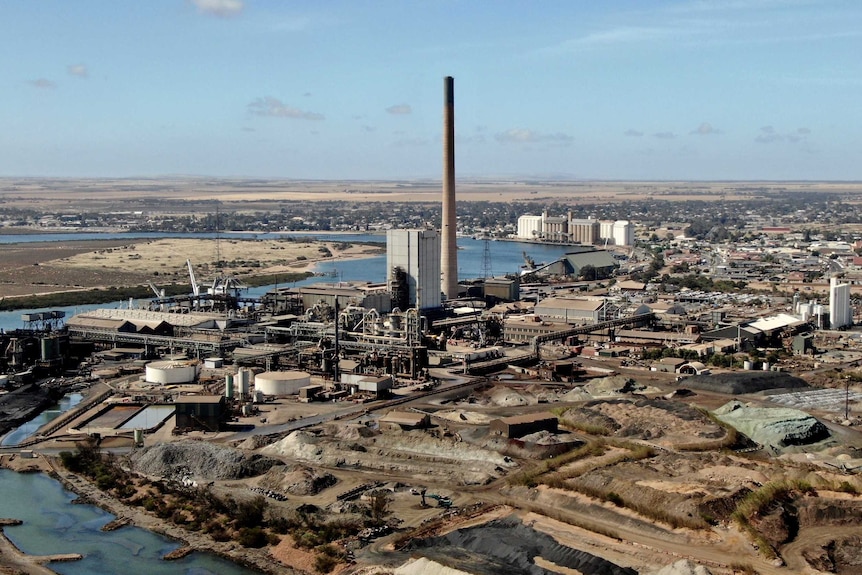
{"points": [[149, 417], [53, 525], [26, 430]]}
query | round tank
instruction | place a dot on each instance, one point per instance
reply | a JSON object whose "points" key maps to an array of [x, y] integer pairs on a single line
{"points": [[48, 348], [765, 366], [258, 396], [171, 372], [228, 386], [246, 410], [747, 365], [139, 436], [106, 373], [243, 381], [281, 382]]}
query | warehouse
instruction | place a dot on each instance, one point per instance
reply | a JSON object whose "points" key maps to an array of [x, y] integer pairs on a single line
{"points": [[570, 310], [521, 425], [204, 412]]}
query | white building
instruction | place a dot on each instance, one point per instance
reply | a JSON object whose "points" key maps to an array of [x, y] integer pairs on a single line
{"points": [[530, 227], [623, 233], [840, 312], [417, 253]]}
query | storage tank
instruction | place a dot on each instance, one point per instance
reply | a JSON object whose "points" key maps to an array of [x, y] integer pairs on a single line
{"points": [[243, 382], [171, 372], [765, 366], [280, 383], [139, 437], [49, 348], [258, 396], [747, 365], [228, 386]]}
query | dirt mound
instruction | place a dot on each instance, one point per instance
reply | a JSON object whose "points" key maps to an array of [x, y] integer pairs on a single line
{"points": [[613, 385], [838, 556], [664, 422], [505, 397], [414, 453], [350, 431], [740, 382], [424, 566], [297, 480], [508, 546], [683, 567], [773, 427], [199, 460]]}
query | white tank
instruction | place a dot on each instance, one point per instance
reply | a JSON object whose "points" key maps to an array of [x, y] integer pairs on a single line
{"points": [[139, 437], [171, 372], [747, 365], [280, 383], [242, 382]]}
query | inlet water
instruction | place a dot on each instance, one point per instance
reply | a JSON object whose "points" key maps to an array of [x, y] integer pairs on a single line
{"points": [[53, 525], [27, 430]]}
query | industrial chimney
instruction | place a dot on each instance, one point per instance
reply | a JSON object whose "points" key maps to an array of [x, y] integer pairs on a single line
{"points": [[449, 246]]}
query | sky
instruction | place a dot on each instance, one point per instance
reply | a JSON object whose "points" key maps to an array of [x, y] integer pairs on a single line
{"points": [[353, 89]]}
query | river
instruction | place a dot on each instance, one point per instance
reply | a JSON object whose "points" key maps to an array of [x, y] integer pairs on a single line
{"points": [[52, 524]]}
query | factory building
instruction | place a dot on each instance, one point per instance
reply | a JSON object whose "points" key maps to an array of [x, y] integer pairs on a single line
{"points": [[521, 425], [204, 412], [567, 229], [523, 328], [570, 310], [416, 253], [840, 312], [530, 227]]}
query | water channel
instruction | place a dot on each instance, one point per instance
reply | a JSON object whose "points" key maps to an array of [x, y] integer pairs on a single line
{"points": [[52, 525], [26, 430]]}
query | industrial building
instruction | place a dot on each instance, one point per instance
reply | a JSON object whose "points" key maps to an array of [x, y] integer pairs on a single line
{"points": [[570, 230], [570, 310], [840, 312], [413, 268], [521, 425], [524, 328], [574, 262], [206, 412]]}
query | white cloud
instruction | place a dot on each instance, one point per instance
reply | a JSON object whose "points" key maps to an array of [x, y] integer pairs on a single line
{"points": [[275, 108], [79, 70], [632, 133], [705, 129], [43, 84], [399, 109], [664, 135], [769, 135], [526, 136], [223, 8]]}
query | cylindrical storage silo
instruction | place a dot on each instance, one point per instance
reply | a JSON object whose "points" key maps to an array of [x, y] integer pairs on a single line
{"points": [[244, 384], [139, 437], [281, 383], [258, 396], [171, 372], [765, 366], [48, 348], [747, 365], [246, 410], [228, 386]]}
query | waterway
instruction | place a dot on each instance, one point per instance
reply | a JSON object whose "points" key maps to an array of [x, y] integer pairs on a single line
{"points": [[504, 257], [27, 430], [53, 525]]}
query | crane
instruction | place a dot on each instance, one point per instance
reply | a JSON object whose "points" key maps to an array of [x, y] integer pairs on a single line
{"points": [[159, 293], [196, 290]]}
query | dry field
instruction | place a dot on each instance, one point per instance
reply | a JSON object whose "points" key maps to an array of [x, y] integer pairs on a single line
{"points": [[183, 194]]}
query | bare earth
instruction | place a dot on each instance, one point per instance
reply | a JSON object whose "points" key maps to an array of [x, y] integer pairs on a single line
{"points": [[53, 267]]}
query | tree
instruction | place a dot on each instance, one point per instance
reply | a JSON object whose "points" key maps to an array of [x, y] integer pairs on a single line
{"points": [[588, 273]]}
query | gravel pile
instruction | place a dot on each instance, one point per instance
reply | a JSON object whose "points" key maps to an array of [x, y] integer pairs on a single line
{"points": [[683, 567], [199, 460], [297, 480], [740, 382], [773, 427]]}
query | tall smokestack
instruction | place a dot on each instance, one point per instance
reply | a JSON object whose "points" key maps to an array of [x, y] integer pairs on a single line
{"points": [[449, 246]]}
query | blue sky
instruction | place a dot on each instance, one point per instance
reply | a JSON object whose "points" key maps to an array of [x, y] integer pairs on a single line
{"points": [[353, 89]]}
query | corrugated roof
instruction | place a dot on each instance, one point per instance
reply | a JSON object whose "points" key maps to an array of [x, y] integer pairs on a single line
{"points": [[579, 304], [773, 323], [198, 399]]}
